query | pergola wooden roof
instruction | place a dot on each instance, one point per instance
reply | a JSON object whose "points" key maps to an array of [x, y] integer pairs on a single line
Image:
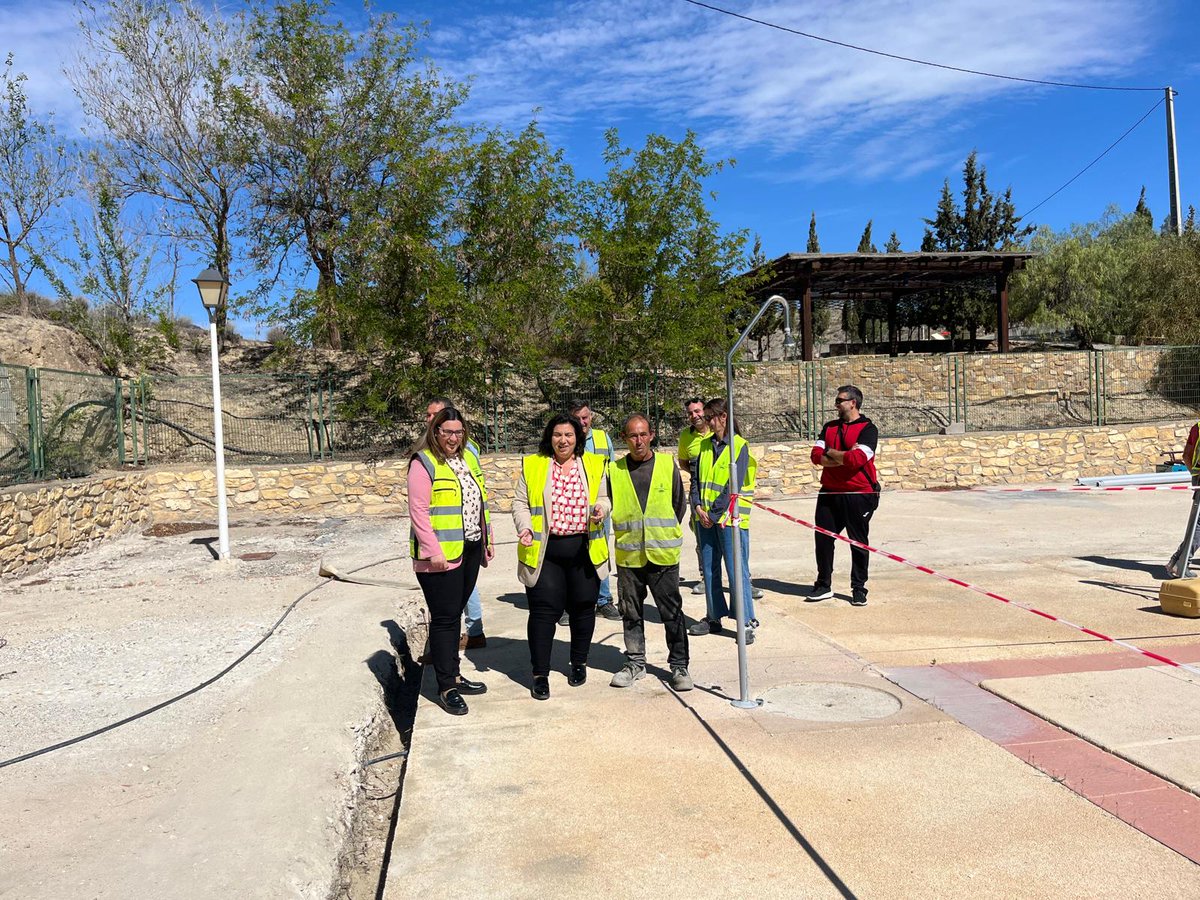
{"points": [[799, 277]]}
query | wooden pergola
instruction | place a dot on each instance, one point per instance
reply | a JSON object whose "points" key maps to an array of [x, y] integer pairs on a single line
{"points": [[799, 277]]}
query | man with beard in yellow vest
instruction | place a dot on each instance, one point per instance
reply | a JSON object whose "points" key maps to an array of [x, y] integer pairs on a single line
{"points": [[648, 507]]}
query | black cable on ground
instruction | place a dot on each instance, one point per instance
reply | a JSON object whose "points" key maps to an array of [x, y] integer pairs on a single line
{"points": [[172, 700]]}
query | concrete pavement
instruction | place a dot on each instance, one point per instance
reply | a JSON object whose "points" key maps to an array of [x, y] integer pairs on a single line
{"points": [[645, 793]]}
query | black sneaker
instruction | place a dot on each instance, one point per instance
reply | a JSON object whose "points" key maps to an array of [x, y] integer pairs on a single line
{"points": [[819, 592], [578, 674], [452, 702], [541, 687], [608, 611], [859, 598], [706, 626]]}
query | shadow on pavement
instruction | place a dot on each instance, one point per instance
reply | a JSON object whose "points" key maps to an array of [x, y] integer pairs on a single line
{"points": [[1141, 591], [510, 657], [834, 879], [1130, 565]]}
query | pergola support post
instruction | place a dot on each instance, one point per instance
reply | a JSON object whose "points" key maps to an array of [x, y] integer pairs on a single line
{"points": [[893, 325], [1002, 307], [806, 319]]}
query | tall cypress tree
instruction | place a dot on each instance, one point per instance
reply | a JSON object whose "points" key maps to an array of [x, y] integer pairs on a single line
{"points": [[814, 245], [865, 244], [893, 244]]}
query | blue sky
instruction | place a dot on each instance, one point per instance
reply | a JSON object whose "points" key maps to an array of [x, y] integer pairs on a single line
{"points": [[813, 127]]}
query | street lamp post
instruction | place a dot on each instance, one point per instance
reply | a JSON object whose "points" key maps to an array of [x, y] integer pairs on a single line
{"points": [[214, 288], [736, 477]]}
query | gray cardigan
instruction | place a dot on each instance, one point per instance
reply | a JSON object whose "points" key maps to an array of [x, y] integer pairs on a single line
{"points": [[523, 520]]}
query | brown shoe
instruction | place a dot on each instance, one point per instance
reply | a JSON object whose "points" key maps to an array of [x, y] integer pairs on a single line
{"points": [[476, 641], [462, 642]]}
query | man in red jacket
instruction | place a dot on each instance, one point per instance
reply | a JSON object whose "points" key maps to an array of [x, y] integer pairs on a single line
{"points": [[849, 494]]}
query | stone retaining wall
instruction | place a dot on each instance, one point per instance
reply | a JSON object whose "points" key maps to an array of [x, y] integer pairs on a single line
{"points": [[38, 523]]}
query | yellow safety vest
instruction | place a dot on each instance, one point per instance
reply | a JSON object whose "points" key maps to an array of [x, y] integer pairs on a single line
{"points": [[536, 470], [652, 535], [714, 476], [1193, 464], [445, 504], [601, 443]]}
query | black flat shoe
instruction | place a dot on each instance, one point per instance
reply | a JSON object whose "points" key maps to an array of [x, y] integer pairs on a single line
{"points": [[463, 686], [541, 687], [578, 674], [452, 702]]}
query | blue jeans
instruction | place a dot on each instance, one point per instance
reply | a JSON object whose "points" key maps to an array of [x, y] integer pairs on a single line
{"points": [[605, 596], [717, 544], [474, 615]]}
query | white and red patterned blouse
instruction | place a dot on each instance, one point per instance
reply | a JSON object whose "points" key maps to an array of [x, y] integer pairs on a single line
{"points": [[568, 499]]}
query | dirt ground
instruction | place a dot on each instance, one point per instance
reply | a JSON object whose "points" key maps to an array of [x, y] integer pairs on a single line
{"points": [[248, 787]]}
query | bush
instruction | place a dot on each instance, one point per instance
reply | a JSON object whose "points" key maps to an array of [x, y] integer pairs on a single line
{"points": [[278, 335], [169, 329]]}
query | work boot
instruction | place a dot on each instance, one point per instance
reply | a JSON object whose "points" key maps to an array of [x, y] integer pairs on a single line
{"points": [[680, 679], [706, 626], [629, 673], [608, 611]]}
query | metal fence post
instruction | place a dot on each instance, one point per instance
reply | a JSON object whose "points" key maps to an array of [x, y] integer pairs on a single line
{"points": [[119, 417], [308, 423], [33, 410], [133, 417]]}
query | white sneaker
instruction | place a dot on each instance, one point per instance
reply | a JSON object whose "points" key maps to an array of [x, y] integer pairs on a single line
{"points": [[698, 587]]}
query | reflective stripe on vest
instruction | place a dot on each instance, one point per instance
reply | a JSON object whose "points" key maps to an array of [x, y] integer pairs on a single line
{"points": [[535, 468], [445, 505], [714, 477], [652, 535]]}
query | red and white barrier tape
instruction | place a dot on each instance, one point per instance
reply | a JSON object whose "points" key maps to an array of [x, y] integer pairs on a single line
{"points": [[970, 587], [1075, 488]]}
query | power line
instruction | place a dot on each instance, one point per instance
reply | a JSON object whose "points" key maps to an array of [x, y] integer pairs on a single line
{"points": [[909, 59], [1128, 132]]}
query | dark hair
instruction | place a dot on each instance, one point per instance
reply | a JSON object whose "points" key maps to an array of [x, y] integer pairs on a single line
{"points": [[690, 400], [444, 402], [427, 442], [575, 406], [854, 393], [629, 418], [546, 447], [716, 407]]}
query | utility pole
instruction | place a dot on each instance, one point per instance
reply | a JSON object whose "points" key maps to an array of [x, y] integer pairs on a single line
{"points": [[1173, 164]]}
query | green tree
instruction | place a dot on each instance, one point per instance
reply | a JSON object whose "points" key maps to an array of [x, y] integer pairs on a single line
{"points": [[663, 290], [158, 75], [1141, 212], [984, 222], [865, 244], [332, 118], [1087, 278], [35, 177], [814, 244], [893, 244]]}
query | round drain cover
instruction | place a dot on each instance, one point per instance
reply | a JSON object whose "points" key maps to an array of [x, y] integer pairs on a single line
{"points": [[830, 701]]}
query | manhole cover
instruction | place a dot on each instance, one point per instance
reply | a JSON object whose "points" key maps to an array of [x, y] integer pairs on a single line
{"points": [[830, 701]]}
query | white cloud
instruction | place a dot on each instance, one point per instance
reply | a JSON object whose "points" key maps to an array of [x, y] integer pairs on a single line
{"points": [[42, 38], [742, 85]]}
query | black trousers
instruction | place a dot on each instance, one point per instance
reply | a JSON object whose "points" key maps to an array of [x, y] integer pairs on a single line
{"points": [[663, 584], [567, 581], [850, 513], [446, 596]]}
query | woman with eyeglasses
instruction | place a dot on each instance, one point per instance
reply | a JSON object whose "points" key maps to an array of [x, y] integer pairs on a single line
{"points": [[451, 539], [562, 553], [710, 492]]}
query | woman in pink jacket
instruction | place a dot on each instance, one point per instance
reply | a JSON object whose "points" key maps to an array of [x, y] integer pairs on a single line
{"points": [[451, 539]]}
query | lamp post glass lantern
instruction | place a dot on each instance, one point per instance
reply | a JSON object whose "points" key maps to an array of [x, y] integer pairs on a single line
{"points": [[214, 288]]}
